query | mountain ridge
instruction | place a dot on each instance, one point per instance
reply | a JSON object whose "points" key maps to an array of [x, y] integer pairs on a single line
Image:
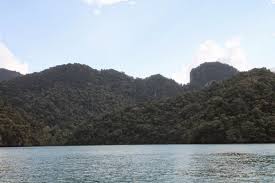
{"points": [[208, 72], [238, 110], [49, 107], [6, 74], [62, 97]]}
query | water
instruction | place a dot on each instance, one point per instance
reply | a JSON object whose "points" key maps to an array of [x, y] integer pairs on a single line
{"points": [[151, 163]]}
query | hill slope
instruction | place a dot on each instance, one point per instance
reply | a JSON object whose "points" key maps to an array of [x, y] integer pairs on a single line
{"points": [[7, 74], [209, 72], [239, 110], [65, 96], [16, 127]]}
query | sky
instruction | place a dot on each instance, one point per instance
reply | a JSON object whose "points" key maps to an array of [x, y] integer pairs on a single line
{"points": [[138, 37]]}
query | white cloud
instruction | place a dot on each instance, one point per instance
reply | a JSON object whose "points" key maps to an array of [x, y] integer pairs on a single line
{"points": [[209, 51], [132, 2], [98, 4], [273, 1], [273, 34], [97, 11], [9, 61]]}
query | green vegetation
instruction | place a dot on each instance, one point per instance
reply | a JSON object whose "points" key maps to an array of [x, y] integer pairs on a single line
{"points": [[61, 98], [239, 110], [75, 104], [15, 128]]}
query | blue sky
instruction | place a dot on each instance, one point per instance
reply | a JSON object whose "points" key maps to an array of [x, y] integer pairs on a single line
{"points": [[141, 37]]}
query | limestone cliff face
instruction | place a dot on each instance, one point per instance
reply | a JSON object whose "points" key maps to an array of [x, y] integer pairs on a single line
{"points": [[211, 71]]}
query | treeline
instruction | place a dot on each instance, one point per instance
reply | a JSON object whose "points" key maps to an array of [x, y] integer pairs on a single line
{"points": [[239, 110], [61, 98], [74, 104]]}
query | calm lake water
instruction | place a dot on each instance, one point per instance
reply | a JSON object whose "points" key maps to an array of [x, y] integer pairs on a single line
{"points": [[149, 163]]}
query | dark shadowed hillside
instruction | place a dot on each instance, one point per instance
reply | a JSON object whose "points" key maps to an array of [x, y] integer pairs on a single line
{"points": [[17, 128], [239, 110], [75, 104], [7, 74], [209, 72], [156, 87], [62, 97]]}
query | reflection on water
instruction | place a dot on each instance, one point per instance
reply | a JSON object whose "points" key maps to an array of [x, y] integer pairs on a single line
{"points": [[161, 163], [233, 167]]}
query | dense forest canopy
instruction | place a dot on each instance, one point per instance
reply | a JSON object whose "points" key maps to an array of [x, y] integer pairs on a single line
{"points": [[75, 104], [62, 97], [239, 110]]}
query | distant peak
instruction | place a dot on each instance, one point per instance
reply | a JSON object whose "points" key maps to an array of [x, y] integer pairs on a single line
{"points": [[209, 72], [7, 70], [71, 65], [70, 68], [156, 76], [6, 74], [216, 63]]}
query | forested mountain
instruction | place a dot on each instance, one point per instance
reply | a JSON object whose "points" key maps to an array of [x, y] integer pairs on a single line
{"points": [[209, 72], [7, 74], [18, 128], [61, 98], [75, 104], [239, 110]]}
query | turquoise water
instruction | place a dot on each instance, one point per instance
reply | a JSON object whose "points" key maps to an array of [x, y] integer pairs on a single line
{"points": [[149, 163]]}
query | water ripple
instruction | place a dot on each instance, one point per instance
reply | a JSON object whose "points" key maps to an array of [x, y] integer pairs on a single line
{"points": [[162, 163]]}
